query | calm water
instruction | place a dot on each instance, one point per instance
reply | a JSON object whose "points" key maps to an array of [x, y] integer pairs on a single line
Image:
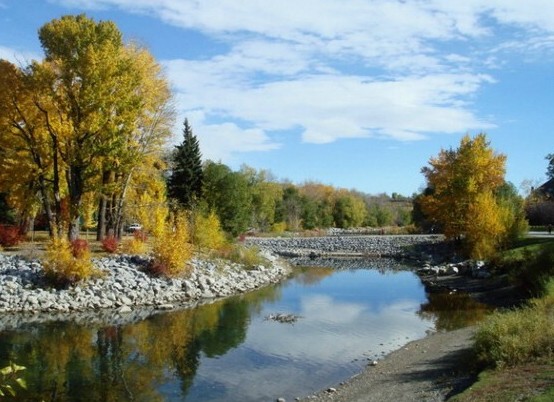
{"points": [[229, 350]]}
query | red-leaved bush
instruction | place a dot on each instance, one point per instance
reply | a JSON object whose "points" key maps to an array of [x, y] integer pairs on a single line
{"points": [[110, 244], [79, 247], [10, 236]]}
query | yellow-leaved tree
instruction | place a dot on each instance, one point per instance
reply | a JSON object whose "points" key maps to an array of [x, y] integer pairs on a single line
{"points": [[207, 232], [462, 196], [172, 248]]}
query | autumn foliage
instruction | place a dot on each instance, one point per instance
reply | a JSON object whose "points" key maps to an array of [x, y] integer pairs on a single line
{"points": [[80, 248], [172, 249], [66, 263], [462, 198], [137, 244], [207, 233], [9, 236], [110, 244]]}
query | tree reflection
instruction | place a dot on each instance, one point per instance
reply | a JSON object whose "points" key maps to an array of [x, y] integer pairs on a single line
{"points": [[70, 362], [453, 310], [313, 275]]}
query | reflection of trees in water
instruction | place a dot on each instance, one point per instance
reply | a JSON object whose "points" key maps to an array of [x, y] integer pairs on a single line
{"points": [[453, 310], [230, 330], [73, 362], [312, 275]]}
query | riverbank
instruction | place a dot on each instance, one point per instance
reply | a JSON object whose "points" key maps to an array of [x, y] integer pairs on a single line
{"points": [[431, 369], [391, 246], [123, 288]]}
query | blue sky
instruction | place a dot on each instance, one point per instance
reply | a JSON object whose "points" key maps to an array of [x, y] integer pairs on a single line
{"points": [[352, 93]]}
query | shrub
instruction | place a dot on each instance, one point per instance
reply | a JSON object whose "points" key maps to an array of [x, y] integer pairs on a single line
{"points": [[279, 227], [207, 232], [133, 246], [136, 245], [110, 244], [10, 236], [535, 271], [79, 248], [62, 267], [172, 249], [518, 336], [248, 256], [140, 235]]}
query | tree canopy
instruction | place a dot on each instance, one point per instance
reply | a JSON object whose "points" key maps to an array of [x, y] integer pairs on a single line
{"points": [[185, 182], [463, 196], [81, 120]]}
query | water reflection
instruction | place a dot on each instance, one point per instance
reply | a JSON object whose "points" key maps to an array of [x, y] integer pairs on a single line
{"points": [[227, 350], [453, 310]]}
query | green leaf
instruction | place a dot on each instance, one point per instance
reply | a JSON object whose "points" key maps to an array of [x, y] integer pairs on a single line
{"points": [[2, 393], [22, 383], [17, 368], [10, 389], [6, 370]]}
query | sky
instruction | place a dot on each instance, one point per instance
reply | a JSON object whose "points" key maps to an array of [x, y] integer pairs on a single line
{"points": [[358, 94]]}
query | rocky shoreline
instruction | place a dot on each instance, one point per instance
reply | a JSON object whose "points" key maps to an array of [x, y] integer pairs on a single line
{"points": [[123, 287], [378, 246], [126, 294]]}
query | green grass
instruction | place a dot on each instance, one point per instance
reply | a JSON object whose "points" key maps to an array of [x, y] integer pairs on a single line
{"points": [[525, 246], [533, 382], [517, 350]]}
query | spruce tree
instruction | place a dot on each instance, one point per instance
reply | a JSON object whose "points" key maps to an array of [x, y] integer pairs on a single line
{"points": [[185, 182]]}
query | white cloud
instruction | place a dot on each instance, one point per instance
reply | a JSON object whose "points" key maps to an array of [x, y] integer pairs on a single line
{"points": [[222, 141], [329, 69], [17, 57], [326, 107]]}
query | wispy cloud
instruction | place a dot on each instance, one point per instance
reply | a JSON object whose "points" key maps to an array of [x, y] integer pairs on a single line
{"points": [[329, 69]]}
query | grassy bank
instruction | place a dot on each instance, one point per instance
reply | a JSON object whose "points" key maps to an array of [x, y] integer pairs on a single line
{"points": [[515, 348]]}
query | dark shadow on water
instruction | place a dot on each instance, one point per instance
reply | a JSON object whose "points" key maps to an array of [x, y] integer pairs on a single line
{"points": [[453, 310]]}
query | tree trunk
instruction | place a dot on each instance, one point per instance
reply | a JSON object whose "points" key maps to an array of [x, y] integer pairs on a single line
{"points": [[101, 230], [76, 189], [120, 205]]}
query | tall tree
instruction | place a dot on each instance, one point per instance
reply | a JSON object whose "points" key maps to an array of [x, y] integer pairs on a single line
{"points": [[350, 210], [185, 182], [266, 193], [139, 145], [26, 155], [103, 98], [78, 123], [462, 184], [228, 194]]}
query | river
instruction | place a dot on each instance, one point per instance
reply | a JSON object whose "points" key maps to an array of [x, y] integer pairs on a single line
{"points": [[231, 350]]}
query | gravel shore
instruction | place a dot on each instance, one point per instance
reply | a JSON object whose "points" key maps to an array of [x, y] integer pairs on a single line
{"points": [[431, 369], [123, 288]]}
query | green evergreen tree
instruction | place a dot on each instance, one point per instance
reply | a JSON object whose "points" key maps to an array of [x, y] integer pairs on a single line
{"points": [[186, 180]]}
